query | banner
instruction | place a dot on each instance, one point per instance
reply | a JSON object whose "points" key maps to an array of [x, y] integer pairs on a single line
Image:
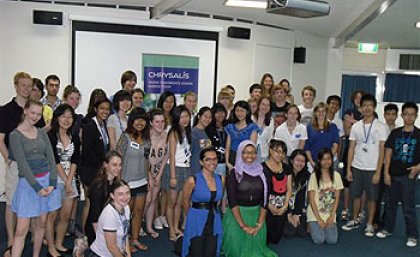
{"points": [[175, 73]]}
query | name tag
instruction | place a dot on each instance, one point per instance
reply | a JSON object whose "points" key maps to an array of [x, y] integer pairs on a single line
{"points": [[134, 145]]}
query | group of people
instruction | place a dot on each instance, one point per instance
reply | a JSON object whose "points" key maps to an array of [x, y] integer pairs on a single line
{"points": [[234, 177]]}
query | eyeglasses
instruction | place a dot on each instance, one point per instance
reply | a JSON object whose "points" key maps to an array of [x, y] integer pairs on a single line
{"points": [[210, 159], [249, 152]]}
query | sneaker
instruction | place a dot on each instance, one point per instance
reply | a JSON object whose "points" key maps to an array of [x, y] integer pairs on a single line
{"points": [[411, 242], [369, 231], [350, 225], [164, 221], [345, 215], [383, 234], [158, 225]]}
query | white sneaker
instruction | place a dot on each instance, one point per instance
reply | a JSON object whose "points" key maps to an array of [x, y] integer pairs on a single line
{"points": [[350, 225], [158, 224], [411, 242], [164, 221], [383, 234], [369, 231]]}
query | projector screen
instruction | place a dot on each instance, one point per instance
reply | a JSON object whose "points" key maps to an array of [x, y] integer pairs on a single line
{"points": [[102, 52]]}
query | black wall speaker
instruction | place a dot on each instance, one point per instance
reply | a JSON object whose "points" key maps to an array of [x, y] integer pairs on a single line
{"points": [[48, 18], [237, 32], [299, 55]]}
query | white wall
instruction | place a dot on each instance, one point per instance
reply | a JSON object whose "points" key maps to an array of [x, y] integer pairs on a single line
{"points": [[41, 50]]}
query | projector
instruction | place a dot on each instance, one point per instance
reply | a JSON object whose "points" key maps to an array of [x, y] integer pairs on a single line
{"points": [[298, 8]]}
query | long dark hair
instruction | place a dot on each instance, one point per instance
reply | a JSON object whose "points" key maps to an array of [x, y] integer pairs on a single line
{"points": [[115, 185], [217, 107], [61, 109], [318, 169], [102, 178], [244, 105], [135, 114], [176, 128], [162, 99], [295, 153], [94, 96], [199, 114]]}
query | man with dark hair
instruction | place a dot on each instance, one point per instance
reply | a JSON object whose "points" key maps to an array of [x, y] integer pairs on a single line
{"points": [[390, 115], [402, 166], [52, 84], [255, 91], [365, 161]]}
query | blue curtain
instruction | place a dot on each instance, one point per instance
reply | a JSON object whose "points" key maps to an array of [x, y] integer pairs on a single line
{"points": [[351, 83], [402, 88]]}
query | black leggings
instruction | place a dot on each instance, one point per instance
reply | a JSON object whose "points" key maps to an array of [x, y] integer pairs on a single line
{"points": [[275, 227], [203, 246]]}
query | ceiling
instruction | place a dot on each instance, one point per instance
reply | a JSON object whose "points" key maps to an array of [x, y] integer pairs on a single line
{"points": [[392, 29]]}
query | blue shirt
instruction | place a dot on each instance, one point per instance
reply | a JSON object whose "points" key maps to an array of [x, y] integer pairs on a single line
{"points": [[320, 139], [239, 135]]}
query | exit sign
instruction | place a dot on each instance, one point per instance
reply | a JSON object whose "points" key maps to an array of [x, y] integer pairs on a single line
{"points": [[368, 48]]}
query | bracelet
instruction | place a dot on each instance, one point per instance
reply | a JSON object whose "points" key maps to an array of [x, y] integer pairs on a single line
{"points": [[259, 225]]}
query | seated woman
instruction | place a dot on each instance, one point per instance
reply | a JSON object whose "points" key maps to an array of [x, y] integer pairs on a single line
{"points": [[296, 215], [202, 191], [99, 190], [324, 195], [113, 224], [245, 233]]}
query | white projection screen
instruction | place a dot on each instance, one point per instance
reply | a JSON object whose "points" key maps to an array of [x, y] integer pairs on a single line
{"points": [[101, 52]]}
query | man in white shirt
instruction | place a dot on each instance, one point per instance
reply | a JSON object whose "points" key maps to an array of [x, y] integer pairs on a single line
{"points": [[306, 108], [365, 160]]}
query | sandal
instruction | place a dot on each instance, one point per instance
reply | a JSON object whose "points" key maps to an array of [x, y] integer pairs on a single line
{"points": [[139, 246], [7, 250], [153, 234]]}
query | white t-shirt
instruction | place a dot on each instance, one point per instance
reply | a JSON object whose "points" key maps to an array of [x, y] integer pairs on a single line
{"points": [[339, 123], [291, 140], [305, 114], [111, 221], [118, 124], [263, 140], [366, 152]]}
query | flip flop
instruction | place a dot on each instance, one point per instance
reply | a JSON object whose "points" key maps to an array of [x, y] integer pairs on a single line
{"points": [[153, 234], [8, 250], [139, 246]]}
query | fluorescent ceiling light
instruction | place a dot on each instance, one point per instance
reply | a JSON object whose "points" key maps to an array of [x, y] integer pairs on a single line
{"points": [[246, 3], [418, 24]]}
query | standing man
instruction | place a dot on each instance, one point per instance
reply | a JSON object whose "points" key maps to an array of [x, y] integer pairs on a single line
{"points": [[365, 160], [10, 115], [52, 83], [255, 91], [190, 101], [402, 166]]}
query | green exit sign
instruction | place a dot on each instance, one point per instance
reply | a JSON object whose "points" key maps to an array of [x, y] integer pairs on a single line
{"points": [[368, 48]]}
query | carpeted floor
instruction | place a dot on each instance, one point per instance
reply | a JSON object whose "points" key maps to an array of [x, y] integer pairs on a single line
{"points": [[352, 243]]}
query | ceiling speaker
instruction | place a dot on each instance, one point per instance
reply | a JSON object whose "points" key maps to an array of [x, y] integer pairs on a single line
{"points": [[48, 18], [237, 32]]}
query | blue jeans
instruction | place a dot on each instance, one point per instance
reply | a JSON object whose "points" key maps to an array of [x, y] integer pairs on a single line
{"points": [[402, 188], [320, 235]]}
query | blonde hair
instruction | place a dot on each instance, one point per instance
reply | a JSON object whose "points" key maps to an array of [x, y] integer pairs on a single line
{"points": [[315, 124], [225, 93], [21, 75]]}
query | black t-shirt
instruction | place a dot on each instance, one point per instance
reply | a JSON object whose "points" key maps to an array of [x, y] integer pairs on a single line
{"points": [[405, 150], [10, 117], [249, 192], [275, 110], [277, 184]]}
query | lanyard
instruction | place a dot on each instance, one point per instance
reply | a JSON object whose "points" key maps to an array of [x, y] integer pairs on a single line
{"points": [[103, 132], [121, 125], [368, 133], [406, 140], [221, 137]]}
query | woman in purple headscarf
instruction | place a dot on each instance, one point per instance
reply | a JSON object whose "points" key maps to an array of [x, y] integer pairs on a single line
{"points": [[245, 233]]}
